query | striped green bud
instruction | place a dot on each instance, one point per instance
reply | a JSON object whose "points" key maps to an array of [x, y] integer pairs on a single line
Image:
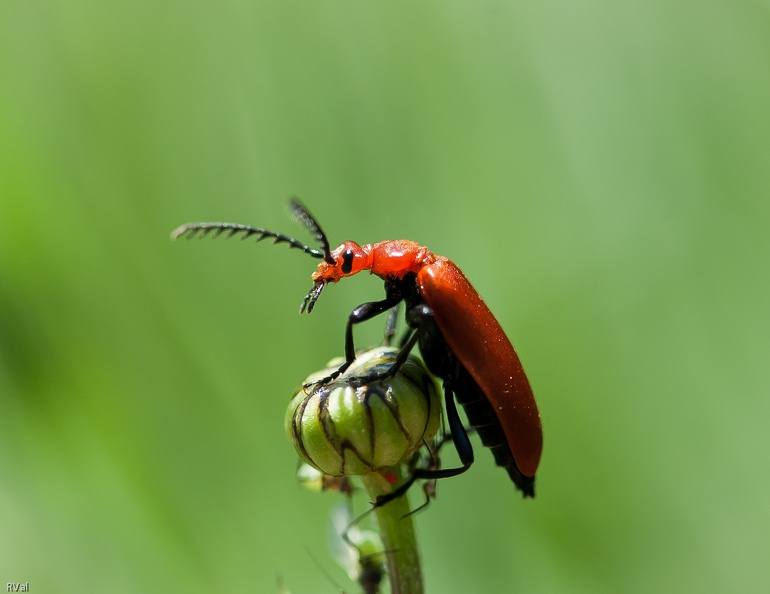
{"points": [[354, 430]]}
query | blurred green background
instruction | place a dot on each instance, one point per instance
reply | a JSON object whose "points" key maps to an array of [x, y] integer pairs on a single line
{"points": [[600, 170]]}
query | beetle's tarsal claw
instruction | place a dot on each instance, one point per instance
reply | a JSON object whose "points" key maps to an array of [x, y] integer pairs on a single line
{"points": [[312, 296]]}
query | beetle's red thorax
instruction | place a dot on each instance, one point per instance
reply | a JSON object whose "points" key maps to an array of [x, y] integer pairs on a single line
{"points": [[398, 257], [387, 259]]}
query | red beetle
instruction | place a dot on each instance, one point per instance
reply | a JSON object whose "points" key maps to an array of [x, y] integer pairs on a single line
{"points": [[460, 341]]}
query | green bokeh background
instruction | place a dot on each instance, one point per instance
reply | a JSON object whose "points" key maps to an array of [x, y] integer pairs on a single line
{"points": [[600, 170]]}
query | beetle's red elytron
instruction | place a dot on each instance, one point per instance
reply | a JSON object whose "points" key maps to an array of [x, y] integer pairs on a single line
{"points": [[460, 340]]}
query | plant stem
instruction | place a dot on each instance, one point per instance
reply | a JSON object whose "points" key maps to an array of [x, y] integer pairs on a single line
{"points": [[398, 536]]}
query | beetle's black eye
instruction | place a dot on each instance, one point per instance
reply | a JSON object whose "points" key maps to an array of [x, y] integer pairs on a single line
{"points": [[347, 261]]}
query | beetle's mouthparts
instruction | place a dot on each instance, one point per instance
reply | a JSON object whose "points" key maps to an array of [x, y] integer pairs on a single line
{"points": [[312, 296]]}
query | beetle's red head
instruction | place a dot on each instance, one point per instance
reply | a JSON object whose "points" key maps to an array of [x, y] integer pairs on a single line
{"points": [[346, 260]]}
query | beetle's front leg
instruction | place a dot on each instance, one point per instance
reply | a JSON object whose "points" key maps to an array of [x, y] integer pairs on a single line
{"points": [[364, 312], [416, 318]]}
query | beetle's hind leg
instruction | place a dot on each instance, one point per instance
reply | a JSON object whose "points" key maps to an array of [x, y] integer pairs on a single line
{"points": [[461, 442]]}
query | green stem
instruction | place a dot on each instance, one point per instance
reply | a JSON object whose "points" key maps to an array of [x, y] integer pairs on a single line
{"points": [[398, 537]]}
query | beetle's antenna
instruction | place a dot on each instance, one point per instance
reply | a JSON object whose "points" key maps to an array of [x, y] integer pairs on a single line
{"points": [[201, 230], [302, 214]]}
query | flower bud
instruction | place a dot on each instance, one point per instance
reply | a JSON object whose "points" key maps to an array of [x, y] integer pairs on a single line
{"points": [[342, 429]]}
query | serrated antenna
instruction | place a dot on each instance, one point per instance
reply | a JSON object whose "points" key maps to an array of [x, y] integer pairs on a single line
{"points": [[302, 215], [201, 230]]}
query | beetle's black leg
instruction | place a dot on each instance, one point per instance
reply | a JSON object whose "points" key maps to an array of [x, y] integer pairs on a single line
{"points": [[462, 445], [415, 317], [434, 451], [364, 312], [415, 322], [401, 357], [429, 485], [434, 463], [459, 435]]}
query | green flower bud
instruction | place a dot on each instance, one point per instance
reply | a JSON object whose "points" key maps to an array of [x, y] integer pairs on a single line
{"points": [[354, 430]]}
